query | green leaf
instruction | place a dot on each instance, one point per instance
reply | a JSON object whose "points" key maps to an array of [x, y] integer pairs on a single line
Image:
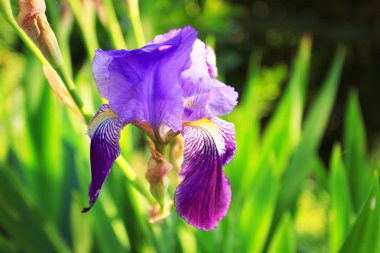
{"points": [[364, 235], [283, 240], [313, 130], [247, 138], [21, 220], [284, 129], [105, 215], [341, 208], [48, 140], [355, 151], [81, 226], [320, 173], [6, 246], [257, 210]]}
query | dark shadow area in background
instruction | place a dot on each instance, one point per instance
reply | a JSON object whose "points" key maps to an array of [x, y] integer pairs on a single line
{"points": [[274, 26]]}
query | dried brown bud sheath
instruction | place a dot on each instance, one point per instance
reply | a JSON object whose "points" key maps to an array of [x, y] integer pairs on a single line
{"points": [[32, 20]]}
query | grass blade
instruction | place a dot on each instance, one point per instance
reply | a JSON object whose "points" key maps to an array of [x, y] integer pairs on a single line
{"points": [[355, 151], [312, 134], [341, 208], [22, 222], [284, 129], [364, 234], [257, 210], [283, 240]]}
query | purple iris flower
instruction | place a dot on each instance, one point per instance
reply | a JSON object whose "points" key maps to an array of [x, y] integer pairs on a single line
{"points": [[165, 88]]}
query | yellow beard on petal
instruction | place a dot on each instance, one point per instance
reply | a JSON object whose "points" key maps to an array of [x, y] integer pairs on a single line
{"points": [[99, 119], [211, 129]]}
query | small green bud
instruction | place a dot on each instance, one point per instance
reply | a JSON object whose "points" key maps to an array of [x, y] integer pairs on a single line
{"points": [[156, 174]]}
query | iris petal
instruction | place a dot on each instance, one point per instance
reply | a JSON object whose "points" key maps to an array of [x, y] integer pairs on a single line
{"points": [[208, 97], [204, 194], [104, 130], [143, 85], [205, 96]]}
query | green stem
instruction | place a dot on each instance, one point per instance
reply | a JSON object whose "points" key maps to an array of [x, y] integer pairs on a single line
{"points": [[60, 70], [69, 84], [86, 21], [164, 150], [134, 15], [132, 179], [113, 26]]}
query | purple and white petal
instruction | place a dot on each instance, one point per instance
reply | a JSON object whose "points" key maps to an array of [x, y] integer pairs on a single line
{"points": [[161, 38], [227, 130], [104, 130], [204, 96], [203, 196], [213, 99], [211, 62]]}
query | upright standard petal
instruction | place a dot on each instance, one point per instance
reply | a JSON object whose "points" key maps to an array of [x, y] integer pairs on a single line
{"points": [[104, 130], [204, 96], [203, 196], [143, 85]]}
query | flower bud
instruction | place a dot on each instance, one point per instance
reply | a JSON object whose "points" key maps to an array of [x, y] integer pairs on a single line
{"points": [[176, 153], [158, 168], [32, 20]]}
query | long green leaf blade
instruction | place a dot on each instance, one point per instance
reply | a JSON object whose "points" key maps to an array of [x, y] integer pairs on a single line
{"points": [[257, 210], [312, 134], [341, 208], [20, 219], [283, 240], [364, 235], [355, 149]]}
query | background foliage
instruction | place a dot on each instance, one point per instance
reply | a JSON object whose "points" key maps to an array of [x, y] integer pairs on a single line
{"points": [[289, 194]]}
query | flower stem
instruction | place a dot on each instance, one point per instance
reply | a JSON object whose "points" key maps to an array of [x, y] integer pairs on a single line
{"points": [[84, 14], [132, 179], [113, 26], [134, 15]]}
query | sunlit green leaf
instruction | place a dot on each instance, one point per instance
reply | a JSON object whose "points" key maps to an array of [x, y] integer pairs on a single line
{"points": [[283, 240], [355, 151], [364, 234], [247, 137], [313, 130], [257, 210], [81, 227], [284, 129], [341, 208]]}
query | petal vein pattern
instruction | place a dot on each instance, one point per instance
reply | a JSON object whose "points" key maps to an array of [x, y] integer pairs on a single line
{"points": [[227, 130], [204, 195], [104, 130]]}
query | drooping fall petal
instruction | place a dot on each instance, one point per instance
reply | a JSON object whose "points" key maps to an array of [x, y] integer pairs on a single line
{"points": [[104, 130], [227, 130], [203, 196]]}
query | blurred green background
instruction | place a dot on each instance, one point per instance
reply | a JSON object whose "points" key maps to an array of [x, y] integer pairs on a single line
{"points": [[305, 175]]}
